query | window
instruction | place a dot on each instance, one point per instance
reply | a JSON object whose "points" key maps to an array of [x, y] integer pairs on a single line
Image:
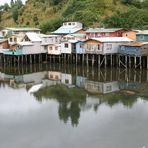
{"points": [[10, 39], [81, 45], [56, 48], [109, 88], [141, 37], [51, 76], [98, 47], [66, 81], [15, 39], [50, 48], [108, 46], [56, 77], [69, 24], [45, 47], [107, 34], [66, 45], [56, 39], [73, 23]]}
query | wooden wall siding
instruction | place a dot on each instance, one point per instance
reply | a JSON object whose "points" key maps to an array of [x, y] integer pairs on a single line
{"points": [[144, 50], [54, 50], [105, 34], [51, 40], [130, 35], [110, 48], [53, 75], [66, 79], [93, 48], [66, 50], [4, 45], [102, 48], [99, 87], [79, 48], [132, 50], [35, 78], [80, 81], [35, 49], [142, 37]]}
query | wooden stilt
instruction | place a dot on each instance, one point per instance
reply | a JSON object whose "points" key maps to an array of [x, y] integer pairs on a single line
{"points": [[87, 60], [99, 65], [111, 60], [135, 62], [105, 61], [147, 62], [93, 60], [140, 62]]}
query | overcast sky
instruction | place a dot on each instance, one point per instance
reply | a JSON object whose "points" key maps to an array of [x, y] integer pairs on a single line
{"points": [[8, 1]]}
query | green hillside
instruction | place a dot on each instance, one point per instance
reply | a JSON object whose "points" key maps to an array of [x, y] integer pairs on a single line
{"points": [[49, 14]]}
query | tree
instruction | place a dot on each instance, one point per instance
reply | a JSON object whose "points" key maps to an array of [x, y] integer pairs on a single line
{"points": [[12, 3], [6, 7]]}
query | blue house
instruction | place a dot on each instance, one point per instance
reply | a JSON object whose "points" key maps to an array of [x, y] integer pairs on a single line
{"points": [[135, 48], [142, 36], [79, 48]]}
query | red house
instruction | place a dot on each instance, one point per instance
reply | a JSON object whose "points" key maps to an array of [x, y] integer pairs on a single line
{"points": [[102, 32]]}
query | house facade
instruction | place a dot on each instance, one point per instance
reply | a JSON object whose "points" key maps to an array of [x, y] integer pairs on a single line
{"points": [[106, 45], [69, 27], [31, 44], [4, 44], [130, 34], [136, 48], [54, 49], [18, 31], [142, 36], [100, 87], [102, 32]]}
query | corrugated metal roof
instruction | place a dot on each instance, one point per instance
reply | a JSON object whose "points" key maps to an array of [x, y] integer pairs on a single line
{"points": [[79, 35], [3, 40], [143, 32], [25, 43], [33, 37], [93, 30], [22, 29], [112, 39], [63, 30], [136, 44], [48, 36]]}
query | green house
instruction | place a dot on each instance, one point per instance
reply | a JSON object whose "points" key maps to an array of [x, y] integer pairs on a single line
{"points": [[142, 36]]}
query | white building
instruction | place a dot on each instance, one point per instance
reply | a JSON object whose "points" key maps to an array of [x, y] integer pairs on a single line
{"points": [[100, 87], [68, 28], [31, 44]]}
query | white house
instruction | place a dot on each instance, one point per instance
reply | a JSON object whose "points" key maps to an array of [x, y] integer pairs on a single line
{"points": [[104, 45], [31, 44], [54, 49], [49, 41], [100, 87], [67, 47], [16, 35], [54, 75], [68, 28], [18, 31], [66, 79]]}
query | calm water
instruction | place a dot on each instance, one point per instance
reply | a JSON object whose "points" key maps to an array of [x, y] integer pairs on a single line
{"points": [[73, 107]]}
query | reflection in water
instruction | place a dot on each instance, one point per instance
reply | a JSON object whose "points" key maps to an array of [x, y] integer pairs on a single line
{"points": [[73, 87], [67, 107]]}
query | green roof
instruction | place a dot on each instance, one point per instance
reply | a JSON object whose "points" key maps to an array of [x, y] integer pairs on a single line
{"points": [[103, 29]]}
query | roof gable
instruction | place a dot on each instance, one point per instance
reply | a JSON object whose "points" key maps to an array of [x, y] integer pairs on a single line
{"points": [[33, 37]]}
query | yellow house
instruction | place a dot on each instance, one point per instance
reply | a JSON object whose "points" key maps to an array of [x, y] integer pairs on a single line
{"points": [[130, 34]]}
